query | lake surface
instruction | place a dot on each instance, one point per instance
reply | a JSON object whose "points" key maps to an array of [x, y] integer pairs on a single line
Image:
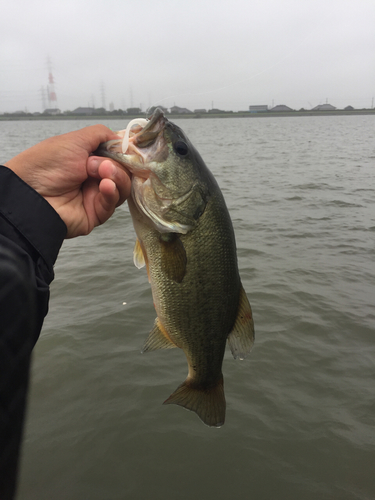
{"points": [[300, 420]]}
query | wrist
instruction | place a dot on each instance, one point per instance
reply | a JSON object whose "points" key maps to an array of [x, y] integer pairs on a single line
{"points": [[31, 216]]}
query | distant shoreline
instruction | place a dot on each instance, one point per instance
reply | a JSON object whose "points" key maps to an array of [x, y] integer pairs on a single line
{"points": [[228, 114]]}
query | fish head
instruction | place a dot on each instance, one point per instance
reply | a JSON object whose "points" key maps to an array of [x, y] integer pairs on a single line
{"points": [[168, 175]]}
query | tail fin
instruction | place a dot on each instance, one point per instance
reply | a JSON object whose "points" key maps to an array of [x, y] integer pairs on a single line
{"points": [[208, 404]]}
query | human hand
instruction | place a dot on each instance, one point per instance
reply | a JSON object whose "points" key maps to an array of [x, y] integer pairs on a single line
{"points": [[84, 190]]}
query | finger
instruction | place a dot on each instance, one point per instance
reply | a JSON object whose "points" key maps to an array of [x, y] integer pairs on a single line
{"points": [[92, 165], [106, 200], [99, 200], [93, 135], [103, 168], [109, 191], [114, 172]]}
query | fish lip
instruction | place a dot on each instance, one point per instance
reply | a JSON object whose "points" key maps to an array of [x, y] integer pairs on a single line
{"points": [[157, 115], [149, 133], [135, 158], [146, 144]]}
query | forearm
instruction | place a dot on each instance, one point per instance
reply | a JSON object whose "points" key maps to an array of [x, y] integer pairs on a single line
{"points": [[31, 234]]}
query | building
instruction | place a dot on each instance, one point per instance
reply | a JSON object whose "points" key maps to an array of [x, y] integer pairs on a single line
{"points": [[324, 107], [134, 111], [200, 111], [84, 111], [258, 108], [52, 111], [176, 110], [281, 108]]}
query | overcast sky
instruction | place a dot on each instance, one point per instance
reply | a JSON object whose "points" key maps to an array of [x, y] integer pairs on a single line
{"points": [[196, 54]]}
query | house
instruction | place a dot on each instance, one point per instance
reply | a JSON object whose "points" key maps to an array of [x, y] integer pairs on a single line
{"points": [[176, 110], [134, 111], [281, 108], [200, 111], [258, 108], [83, 111], [52, 111], [349, 108], [324, 107]]}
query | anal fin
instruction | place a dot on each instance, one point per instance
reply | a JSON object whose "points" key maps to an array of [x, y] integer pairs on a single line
{"points": [[158, 339], [241, 338]]}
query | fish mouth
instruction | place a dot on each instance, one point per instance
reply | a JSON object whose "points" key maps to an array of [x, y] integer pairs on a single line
{"points": [[148, 135], [141, 143]]}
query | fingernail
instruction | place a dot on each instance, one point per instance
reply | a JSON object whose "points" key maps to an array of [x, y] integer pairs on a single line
{"points": [[94, 164], [113, 168]]}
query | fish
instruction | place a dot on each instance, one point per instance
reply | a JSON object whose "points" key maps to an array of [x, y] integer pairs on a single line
{"points": [[186, 241]]}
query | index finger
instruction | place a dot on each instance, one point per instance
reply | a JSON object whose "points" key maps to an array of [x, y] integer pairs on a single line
{"points": [[94, 135]]}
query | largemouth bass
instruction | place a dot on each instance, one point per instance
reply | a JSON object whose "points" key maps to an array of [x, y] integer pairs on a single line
{"points": [[186, 240]]}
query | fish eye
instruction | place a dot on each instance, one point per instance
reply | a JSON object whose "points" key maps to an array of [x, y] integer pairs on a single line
{"points": [[181, 148]]}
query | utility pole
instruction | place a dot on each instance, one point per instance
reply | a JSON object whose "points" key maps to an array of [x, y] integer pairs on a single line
{"points": [[43, 94], [52, 98], [102, 93]]}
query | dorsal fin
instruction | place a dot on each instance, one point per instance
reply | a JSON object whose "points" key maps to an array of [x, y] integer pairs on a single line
{"points": [[241, 338]]}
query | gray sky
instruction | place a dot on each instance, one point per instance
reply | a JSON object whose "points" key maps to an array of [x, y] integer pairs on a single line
{"points": [[195, 53]]}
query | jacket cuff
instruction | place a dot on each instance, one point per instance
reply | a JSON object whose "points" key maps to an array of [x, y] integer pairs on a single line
{"points": [[31, 215]]}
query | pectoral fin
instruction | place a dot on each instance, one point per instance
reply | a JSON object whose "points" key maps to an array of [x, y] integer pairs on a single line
{"points": [[173, 257], [138, 257], [241, 338], [158, 339]]}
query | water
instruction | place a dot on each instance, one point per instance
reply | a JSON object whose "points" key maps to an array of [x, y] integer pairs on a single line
{"points": [[300, 409]]}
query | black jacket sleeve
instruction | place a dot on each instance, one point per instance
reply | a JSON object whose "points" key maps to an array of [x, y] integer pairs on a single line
{"points": [[31, 234]]}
